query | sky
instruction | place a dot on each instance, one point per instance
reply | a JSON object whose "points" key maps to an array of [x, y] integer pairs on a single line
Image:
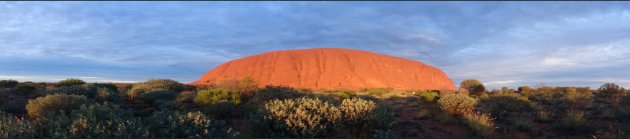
{"points": [[499, 43]]}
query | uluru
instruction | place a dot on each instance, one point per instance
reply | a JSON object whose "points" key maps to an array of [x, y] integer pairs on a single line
{"points": [[331, 69]]}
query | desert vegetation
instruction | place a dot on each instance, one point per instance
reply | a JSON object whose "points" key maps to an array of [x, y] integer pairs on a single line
{"points": [[237, 108]]}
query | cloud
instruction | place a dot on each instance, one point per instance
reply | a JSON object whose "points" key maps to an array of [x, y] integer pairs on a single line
{"points": [[59, 78], [553, 42], [501, 83]]}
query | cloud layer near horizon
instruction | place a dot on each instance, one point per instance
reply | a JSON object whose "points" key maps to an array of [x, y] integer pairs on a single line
{"points": [[499, 43]]}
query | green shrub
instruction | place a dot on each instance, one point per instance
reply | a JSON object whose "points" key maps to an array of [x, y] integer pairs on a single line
{"points": [[572, 123], [576, 100], [504, 104], [482, 124], [207, 97], [523, 124], [43, 105], [14, 106], [623, 112], [135, 94], [275, 92], [345, 94], [311, 117], [8, 83], [525, 90], [363, 118], [109, 95], [378, 91], [610, 93], [173, 124], [457, 104], [105, 121], [93, 121], [152, 96], [94, 87], [223, 110], [159, 84], [15, 127], [429, 96], [25, 88], [303, 117], [229, 110], [244, 86], [154, 85], [73, 90], [544, 116], [70, 82]]}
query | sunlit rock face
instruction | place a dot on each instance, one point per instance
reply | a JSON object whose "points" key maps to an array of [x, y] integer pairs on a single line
{"points": [[331, 69]]}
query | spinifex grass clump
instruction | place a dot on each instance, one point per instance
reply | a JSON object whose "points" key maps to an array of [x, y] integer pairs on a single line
{"points": [[482, 124]]}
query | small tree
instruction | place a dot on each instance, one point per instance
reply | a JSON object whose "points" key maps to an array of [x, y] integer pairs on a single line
{"points": [[474, 86], [610, 93]]}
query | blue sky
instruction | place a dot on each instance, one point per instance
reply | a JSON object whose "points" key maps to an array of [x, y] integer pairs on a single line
{"points": [[498, 43]]}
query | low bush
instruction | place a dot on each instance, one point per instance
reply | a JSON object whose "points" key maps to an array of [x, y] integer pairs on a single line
{"points": [[211, 96], [15, 127], [109, 95], [457, 104], [364, 119], [303, 117], [173, 124], [522, 124], [378, 91], [25, 88], [246, 86], [311, 117], [544, 116], [429, 96], [229, 110], [574, 100], [139, 89], [482, 124], [345, 94], [8, 83], [504, 104], [623, 113], [70, 82], [525, 90], [153, 96], [96, 86], [13, 106], [105, 121], [275, 92], [43, 105], [159, 84], [572, 123], [94, 121], [73, 90]]}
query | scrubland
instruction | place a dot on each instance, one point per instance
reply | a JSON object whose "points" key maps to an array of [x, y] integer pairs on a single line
{"points": [[162, 108]]}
